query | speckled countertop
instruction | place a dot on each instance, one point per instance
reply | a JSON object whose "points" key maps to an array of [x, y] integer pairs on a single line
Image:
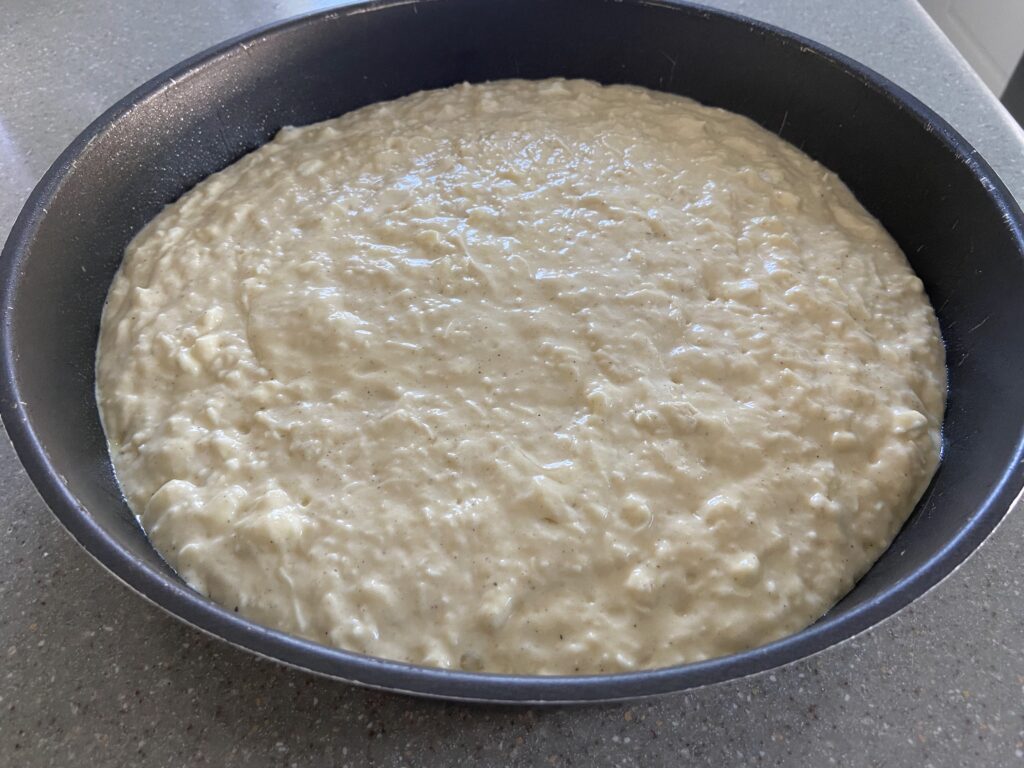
{"points": [[92, 675]]}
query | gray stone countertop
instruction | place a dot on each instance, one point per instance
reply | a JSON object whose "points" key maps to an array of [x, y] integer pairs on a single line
{"points": [[92, 675]]}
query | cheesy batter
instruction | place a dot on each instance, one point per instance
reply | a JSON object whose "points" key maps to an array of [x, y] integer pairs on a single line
{"points": [[535, 377]]}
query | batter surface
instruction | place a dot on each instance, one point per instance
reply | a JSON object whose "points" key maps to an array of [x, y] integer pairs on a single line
{"points": [[536, 377]]}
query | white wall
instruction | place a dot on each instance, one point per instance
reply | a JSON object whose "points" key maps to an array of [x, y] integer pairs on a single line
{"points": [[989, 34]]}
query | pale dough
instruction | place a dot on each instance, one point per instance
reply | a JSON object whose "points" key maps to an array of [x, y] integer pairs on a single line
{"points": [[536, 377]]}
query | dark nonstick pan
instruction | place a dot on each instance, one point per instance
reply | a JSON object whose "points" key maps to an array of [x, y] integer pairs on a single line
{"points": [[943, 204]]}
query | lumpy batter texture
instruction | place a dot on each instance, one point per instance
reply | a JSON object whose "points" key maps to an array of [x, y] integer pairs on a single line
{"points": [[536, 377]]}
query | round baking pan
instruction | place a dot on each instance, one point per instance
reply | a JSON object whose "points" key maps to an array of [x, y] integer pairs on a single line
{"points": [[956, 222]]}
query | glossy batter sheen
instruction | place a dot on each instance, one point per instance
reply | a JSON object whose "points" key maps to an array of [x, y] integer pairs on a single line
{"points": [[537, 377]]}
